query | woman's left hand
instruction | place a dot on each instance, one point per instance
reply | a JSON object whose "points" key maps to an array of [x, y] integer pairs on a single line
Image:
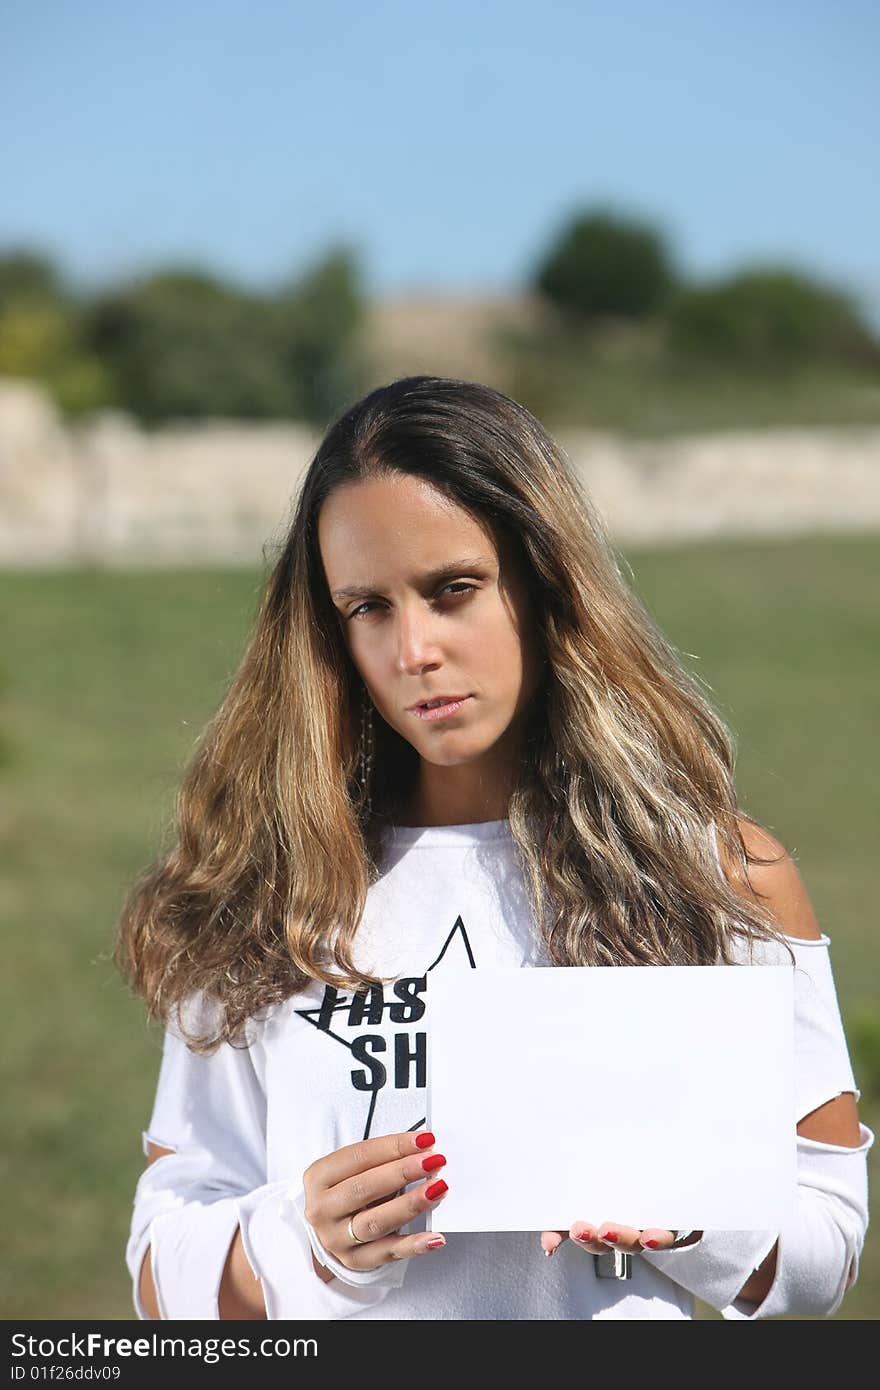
{"points": [[595, 1239]]}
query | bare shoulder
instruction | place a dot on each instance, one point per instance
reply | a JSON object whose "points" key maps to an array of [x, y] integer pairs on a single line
{"points": [[156, 1151], [777, 885], [782, 890]]}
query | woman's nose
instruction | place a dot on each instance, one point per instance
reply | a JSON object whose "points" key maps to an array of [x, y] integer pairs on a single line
{"points": [[415, 640]]}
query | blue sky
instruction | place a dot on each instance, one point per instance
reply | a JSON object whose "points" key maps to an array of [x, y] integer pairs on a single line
{"points": [[447, 143]]}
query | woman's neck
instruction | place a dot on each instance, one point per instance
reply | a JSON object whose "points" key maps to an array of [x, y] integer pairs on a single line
{"points": [[421, 811]]}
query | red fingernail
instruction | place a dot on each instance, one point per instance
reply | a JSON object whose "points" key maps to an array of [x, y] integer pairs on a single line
{"points": [[654, 1244], [435, 1161], [584, 1236], [424, 1141], [436, 1190], [609, 1235], [435, 1244]]}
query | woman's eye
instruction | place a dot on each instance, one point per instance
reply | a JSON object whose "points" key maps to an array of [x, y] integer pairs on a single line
{"points": [[462, 590]]}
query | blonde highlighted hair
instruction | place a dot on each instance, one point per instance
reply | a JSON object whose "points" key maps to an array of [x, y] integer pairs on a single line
{"points": [[277, 839]]}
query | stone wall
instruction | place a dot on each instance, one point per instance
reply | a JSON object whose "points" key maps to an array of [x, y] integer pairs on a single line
{"points": [[108, 493]]}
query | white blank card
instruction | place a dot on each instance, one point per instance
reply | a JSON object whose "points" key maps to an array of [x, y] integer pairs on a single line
{"points": [[648, 1095]]}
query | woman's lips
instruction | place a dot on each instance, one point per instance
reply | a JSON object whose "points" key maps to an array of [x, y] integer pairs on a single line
{"points": [[440, 711]]}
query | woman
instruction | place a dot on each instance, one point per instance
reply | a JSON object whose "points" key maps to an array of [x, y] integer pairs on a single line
{"points": [[571, 803]]}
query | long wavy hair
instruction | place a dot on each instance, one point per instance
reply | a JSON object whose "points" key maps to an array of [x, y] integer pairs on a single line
{"points": [[277, 835]]}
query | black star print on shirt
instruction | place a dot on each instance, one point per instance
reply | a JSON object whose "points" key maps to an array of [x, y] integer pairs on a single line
{"points": [[406, 1005]]}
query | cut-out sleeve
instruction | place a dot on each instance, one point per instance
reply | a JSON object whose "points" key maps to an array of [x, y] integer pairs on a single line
{"points": [[819, 1251]]}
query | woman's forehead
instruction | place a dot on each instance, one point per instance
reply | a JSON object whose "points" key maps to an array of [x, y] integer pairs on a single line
{"points": [[384, 522]]}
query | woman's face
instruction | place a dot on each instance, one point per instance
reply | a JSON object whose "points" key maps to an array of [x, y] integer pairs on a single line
{"points": [[413, 636]]}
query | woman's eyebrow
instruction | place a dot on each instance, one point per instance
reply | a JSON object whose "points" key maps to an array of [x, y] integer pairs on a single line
{"points": [[429, 578]]}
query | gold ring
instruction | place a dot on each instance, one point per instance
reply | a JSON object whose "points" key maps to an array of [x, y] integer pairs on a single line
{"points": [[354, 1237]]}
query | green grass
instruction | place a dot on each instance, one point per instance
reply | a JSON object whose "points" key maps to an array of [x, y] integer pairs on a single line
{"points": [[105, 680]]}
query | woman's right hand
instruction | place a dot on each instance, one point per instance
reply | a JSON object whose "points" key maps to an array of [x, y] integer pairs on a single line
{"points": [[363, 1183]]}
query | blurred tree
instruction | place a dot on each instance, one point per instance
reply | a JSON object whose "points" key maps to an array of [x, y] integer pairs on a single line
{"points": [[768, 316], [34, 335], [604, 266], [318, 322], [182, 344], [40, 334], [25, 275]]}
